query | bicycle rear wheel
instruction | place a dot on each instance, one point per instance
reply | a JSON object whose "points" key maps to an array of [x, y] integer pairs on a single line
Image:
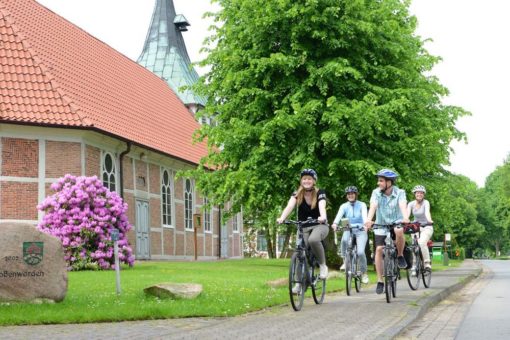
{"points": [[297, 276], [388, 275], [426, 273], [318, 286], [348, 273], [413, 277]]}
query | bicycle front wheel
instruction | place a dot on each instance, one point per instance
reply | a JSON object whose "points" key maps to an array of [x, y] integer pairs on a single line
{"points": [[348, 273], [297, 278], [388, 275], [413, 274], [318, 286], [356, 271], [395, 280]]}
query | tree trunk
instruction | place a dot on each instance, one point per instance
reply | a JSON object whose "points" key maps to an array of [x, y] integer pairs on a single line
{"points": [[496, 245], [269, 240], [285, 251]]}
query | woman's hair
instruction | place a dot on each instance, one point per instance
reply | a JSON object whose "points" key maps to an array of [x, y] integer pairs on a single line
{"points": [[300, 195]]}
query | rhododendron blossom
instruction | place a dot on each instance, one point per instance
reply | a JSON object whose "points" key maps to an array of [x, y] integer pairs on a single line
{"points": [[82, 213]]}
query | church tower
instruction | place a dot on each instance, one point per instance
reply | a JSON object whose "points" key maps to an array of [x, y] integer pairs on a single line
{"points": [[164, 53]]}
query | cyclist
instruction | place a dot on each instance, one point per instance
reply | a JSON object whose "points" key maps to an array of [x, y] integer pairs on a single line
{"points": [[356, 212], [420, 208], [389, 204], [311, 203]]}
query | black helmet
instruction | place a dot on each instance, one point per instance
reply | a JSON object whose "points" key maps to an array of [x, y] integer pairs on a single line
{"points": [[309, 172], [351, 189]]}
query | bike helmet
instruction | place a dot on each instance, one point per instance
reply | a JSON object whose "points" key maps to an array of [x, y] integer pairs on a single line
{"points": [[419, 188], [351, 189], [388, 174], [309, 172]]}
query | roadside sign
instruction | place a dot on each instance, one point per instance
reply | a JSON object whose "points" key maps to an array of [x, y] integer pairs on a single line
{"points": [[115, 235], [447, 237]]}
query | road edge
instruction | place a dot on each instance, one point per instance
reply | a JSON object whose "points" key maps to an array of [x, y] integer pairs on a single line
{"points": [[426, 303]]}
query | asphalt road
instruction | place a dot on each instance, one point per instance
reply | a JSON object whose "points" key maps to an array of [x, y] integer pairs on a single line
{"points": [[489, 314]]}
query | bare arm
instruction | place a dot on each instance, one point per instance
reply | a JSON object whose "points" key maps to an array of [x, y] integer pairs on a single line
{"points": [[288, 209], [408, 211], [322, 211], [427, 212], [403, 209], [370, 217]]}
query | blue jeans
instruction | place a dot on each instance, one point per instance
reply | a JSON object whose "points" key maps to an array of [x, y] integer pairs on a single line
{"points": [[361, 241]]}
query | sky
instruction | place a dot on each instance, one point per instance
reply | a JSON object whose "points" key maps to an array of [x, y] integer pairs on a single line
{"points": [[471, 37]]}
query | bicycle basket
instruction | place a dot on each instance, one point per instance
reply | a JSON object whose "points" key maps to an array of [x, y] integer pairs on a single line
{"points": [[411, 228]]}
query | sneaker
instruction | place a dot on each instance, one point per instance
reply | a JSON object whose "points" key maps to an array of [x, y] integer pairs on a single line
{"points": [[323, 272], [296, 290], [364, 278], [342, 267], [413, 271], [380, 288], [428, 266], [402, 264]]}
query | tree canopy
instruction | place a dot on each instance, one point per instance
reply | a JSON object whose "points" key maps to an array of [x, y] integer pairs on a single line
{"points": [[342, 86]]}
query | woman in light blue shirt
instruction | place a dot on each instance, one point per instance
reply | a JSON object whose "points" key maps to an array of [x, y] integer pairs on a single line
{"points": [[356, 212]]}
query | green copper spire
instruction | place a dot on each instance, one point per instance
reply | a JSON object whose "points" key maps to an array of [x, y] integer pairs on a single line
{"points": [[164, 53]]}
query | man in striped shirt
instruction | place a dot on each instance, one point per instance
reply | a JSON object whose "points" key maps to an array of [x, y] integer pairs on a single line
{"points": [[389, 204]]}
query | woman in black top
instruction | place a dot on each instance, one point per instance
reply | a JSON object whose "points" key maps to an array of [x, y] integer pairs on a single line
{"points": [[311, 203]]}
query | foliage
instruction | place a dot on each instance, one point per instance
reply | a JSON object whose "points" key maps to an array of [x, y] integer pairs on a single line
{"points": [[337, 85], [495, 208], [83, 213]]}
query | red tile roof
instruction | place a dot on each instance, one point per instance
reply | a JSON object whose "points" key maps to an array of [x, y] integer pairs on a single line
{"points": [[54, 73]]}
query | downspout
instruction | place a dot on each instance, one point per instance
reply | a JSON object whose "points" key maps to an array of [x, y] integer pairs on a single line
{"points": [[121, 172]]}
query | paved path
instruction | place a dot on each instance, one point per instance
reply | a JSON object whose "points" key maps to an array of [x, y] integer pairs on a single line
{"points": [[489, 317], [362, 316]]}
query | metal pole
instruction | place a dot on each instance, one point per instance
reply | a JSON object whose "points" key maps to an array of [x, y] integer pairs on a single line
{"points": [[117, 265]]}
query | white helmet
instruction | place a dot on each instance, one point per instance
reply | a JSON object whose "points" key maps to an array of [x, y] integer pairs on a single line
{"points": [[419, 188]]}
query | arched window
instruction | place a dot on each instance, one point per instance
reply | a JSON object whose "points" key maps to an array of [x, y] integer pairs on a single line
{"points": [[166, 197], [109, 170], [235, 226], [188, 204], [207, 216]]}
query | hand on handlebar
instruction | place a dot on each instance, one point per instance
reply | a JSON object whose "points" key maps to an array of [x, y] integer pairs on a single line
{"points": [[334, 226], [280, 220], [322, 219], [368, 225]]}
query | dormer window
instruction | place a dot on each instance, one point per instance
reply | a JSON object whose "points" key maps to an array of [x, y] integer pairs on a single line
{"points": [[181, 23]]}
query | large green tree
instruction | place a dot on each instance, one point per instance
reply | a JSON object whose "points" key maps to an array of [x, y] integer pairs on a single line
{"points": [[342, 86], [495, 209]]}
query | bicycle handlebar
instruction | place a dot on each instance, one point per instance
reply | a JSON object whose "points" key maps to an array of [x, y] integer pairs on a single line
{"points": [[304, 223]]}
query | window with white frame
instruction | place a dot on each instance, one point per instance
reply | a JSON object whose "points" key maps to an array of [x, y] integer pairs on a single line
{"points": [[188, 204], [109, 171], [166, 197], [235, 225], [207, 216]]}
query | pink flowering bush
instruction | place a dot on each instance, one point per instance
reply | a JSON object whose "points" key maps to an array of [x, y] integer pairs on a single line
{"points": [[83, 213]]}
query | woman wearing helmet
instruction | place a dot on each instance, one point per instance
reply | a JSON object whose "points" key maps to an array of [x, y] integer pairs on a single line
{"points": [[389, 204], [420, 208], [311, 203], [356, 212]]}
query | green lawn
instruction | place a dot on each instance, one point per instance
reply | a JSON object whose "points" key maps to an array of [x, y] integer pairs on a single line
{"points": [[230, 288]]}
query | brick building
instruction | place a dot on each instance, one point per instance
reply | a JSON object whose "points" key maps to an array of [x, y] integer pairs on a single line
{"points": [[71, 104]]}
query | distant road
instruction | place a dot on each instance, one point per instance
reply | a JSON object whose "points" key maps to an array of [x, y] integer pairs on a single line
{"points": [[489, 315]]}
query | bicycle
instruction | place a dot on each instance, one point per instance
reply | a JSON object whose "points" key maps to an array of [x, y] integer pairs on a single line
{"points": [[418, 266], [304, 270], [352, 265], [391, 269]]}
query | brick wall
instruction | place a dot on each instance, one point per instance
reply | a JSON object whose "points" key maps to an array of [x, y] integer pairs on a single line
{"points": [[127, 166], [63, 158], [92, 161], [155, 243], [168, 241], [141, 175], [19, 200], [154, 178], [20, 157]]}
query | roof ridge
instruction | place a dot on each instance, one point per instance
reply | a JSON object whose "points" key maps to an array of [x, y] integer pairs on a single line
{"points": [[9, 19]]}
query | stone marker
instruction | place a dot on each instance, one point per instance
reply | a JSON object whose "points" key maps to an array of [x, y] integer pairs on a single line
{"points": [[32, 265], [169, 290]]}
